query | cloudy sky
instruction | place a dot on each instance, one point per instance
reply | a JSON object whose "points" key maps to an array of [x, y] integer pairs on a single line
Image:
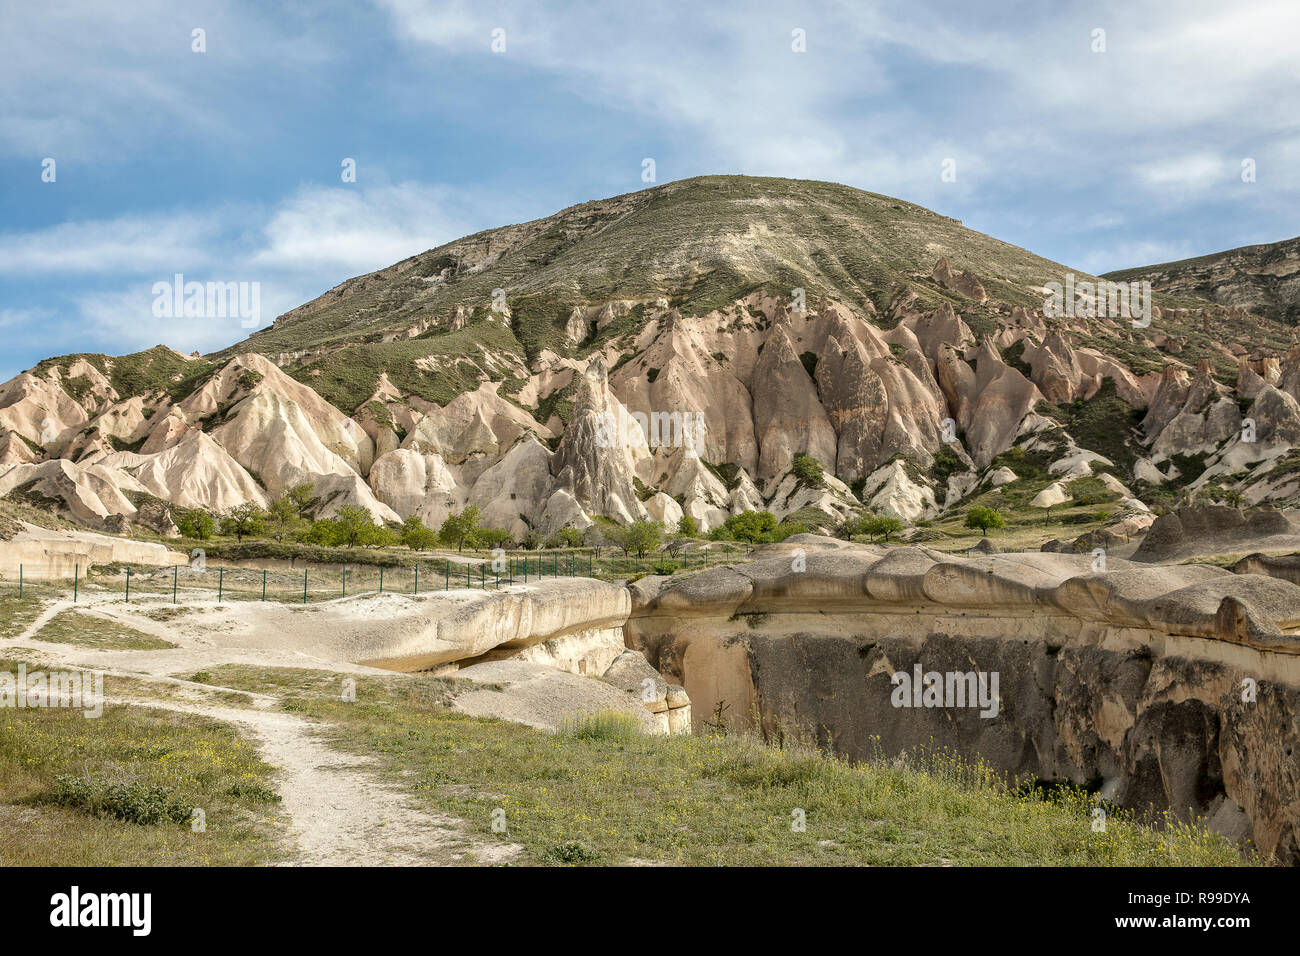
{"points": [[226, 164]]}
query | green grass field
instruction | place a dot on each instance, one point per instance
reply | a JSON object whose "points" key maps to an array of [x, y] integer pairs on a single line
{"points": [[599, 794], [120, 789]]}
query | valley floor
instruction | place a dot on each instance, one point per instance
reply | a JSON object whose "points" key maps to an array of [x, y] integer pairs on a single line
{"points": [[286, 770]]}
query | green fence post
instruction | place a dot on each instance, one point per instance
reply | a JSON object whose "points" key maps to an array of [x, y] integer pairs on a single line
{"points": [[264, 584], [482, 576], [417, 579], [304, 585], [345, 580], [76, 574], [468, 582], [20, 582], [175, 571], [221, 580], [128, 585], [381, 579]]}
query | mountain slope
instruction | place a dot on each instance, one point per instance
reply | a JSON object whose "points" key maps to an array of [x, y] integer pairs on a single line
{"points": [[701, 348], [1265, 279], [700, 243]]}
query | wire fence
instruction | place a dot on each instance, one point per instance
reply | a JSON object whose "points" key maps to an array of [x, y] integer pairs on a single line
{"points": [[307, 583]]}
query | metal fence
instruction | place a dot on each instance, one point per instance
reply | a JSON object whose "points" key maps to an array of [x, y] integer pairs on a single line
{"points": [[326, 582]]}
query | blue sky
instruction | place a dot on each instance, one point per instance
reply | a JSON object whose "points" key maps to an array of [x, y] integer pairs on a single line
{"points": [[225, 165]]}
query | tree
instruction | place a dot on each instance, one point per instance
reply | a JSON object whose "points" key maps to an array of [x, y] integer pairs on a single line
{"points": [[282, 516], [490, 538], [382, 536], [808, 470], [847, 528], [355, 524], [688, 527], [984, 518], [752, 526], [595, 539], [300, 496], [784, 530], [325, 531], [196, 523], [416, 536], [566, 537], [245, 519], [879, 524], [459, 527], [641, 536]]}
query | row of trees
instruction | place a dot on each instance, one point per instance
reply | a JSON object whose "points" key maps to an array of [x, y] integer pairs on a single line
{"points": [[354, 526]]}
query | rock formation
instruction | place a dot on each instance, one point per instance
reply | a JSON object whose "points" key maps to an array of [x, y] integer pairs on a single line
{"points": [[1174, 686]]}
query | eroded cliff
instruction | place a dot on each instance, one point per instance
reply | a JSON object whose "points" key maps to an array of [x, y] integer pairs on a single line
{"points": [[1173, 688]]}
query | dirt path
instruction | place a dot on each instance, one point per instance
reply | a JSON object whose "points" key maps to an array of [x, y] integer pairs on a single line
{"points": [[340, 813]]}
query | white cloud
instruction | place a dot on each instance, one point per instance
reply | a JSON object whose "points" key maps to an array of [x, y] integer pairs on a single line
{"points": [[303, 246], [1189, 172], [1128, 255], [87, 80], [353, 230], [128, 244]]}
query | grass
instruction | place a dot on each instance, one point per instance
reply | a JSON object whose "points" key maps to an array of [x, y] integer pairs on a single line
{"points": [[1104, 423], [610, 726], [88, 630], [596, 793], [158, 369], [119, 789], [17, 614]]}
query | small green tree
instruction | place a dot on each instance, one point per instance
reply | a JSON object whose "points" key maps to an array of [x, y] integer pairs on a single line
{"points": [[490, 538], [459, 528], [642, 536], [688, 527], [196, 523], [984, 519], [382, 536], [752, 526], [356, 526], [595, 539], [245, 519], [300, 496], [324, 531], [879, 524], [566, 537], [416, 536], [784, 530], [282, 517], [847, 528], [808, 470]]}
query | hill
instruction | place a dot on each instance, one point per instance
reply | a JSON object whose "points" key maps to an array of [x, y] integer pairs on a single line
{"points": [[803, 348], [1265, 279]]}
